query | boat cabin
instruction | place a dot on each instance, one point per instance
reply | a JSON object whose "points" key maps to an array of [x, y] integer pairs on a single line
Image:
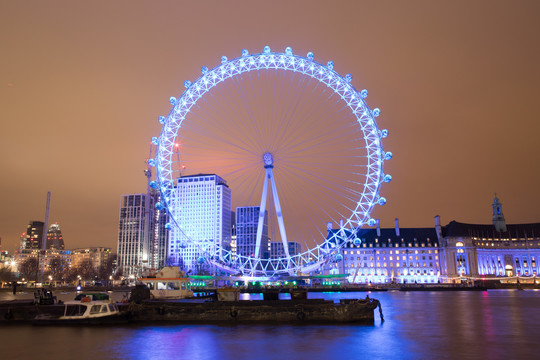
{"points": [[88, 309], [170, 283]]}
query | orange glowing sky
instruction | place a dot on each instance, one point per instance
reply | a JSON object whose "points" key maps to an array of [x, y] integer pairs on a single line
{"points": [[82, 84]]}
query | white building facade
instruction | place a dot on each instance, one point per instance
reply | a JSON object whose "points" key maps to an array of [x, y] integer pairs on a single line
{"points": [[202, 206], [391, 255], [490, 251]]}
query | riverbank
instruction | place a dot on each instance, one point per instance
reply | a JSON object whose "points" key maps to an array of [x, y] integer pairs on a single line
{"points": [[478, 286]]}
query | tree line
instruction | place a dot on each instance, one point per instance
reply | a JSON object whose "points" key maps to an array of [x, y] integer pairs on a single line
{"points": [[59, 271]]}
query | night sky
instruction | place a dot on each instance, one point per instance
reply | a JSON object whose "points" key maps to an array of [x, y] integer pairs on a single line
{"points": [[82, 85]]}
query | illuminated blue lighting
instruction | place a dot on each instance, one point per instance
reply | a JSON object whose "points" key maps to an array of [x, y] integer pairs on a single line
{"points": [[357, 241], [155, 140], [369, 197], [159, 206], [152, 162], [382, 201], [376, 112], [288, 50], [387, 178], [168, 226], [330, 65], [266, 49], [161, 119], [172, 100], [338, 257], [153, 184], [187, 84], [388, 155]]}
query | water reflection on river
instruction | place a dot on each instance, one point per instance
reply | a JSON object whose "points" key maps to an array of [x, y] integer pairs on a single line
{"points": [[502, 324]]}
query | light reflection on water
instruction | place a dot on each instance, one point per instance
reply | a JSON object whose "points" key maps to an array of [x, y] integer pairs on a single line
{"points": [[419, 325]]}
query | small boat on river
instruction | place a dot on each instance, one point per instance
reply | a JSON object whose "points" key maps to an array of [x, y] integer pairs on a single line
{"points": [[86, 309]]}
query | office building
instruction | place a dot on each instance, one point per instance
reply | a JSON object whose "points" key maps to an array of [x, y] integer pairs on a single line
{"points": [[33, 238], [247, 221], [202, 206], [134, 231], [55, 240]]}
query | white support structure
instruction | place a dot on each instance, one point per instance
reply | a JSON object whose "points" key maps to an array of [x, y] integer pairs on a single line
{"points": [[269, 176]]}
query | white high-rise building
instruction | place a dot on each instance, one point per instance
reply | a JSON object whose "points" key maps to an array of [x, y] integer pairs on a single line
{"points": [[133, 234], [202, 207]]}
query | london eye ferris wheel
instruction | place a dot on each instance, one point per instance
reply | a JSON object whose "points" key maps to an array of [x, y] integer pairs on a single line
{"points": [[292, 138]]}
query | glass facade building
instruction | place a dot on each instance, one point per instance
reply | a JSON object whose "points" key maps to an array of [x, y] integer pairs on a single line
{"points": [[202, 205]]}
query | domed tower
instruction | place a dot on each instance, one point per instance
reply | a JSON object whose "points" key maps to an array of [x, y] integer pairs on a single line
{"points": [[498, 217]]}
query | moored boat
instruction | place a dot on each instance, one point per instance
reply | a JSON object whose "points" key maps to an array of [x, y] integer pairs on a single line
{"points": [[169, 283], [91, 309]]}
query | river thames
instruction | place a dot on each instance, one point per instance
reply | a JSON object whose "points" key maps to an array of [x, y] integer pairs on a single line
{"points": [[494, 324]]}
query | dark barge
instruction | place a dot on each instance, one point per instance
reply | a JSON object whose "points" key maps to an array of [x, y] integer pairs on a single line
{"points": [[254, 311], [226, 312]]}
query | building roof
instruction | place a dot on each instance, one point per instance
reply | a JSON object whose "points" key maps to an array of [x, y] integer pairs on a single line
{"points": [[218, 179], [408, 237], [487, 231], [197, 175]]}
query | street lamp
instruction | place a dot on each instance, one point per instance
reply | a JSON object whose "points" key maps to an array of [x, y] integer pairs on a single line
{"points": [[79, 285]]}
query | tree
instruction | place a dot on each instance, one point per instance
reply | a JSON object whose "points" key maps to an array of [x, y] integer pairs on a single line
{"points": [[86, 270], [6, 275], [56, 268], [29, 268], [70, 275], [106, 269]]}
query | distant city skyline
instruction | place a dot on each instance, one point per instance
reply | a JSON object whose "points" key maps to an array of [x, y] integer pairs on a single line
{"points": [[80, 102]]}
